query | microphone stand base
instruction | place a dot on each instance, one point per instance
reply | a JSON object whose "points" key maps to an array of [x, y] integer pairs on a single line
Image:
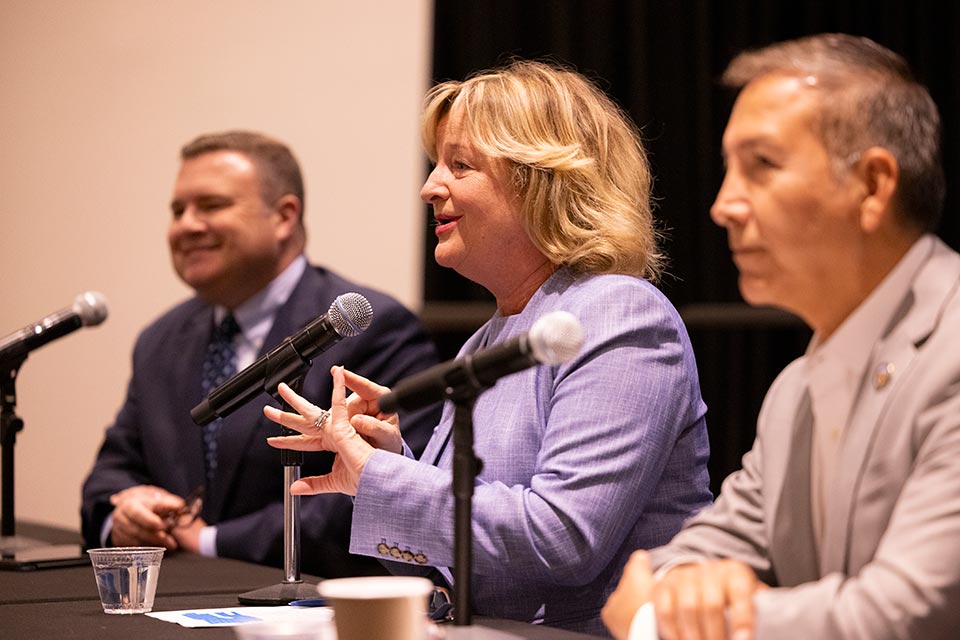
{"points": [[279, 594], [20, 553]]}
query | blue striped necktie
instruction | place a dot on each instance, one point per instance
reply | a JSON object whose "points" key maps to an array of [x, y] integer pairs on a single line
{"points": [[219, 364]]}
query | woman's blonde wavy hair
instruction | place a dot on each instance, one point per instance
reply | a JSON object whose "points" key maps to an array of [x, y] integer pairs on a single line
{"points": [[578, 162]]}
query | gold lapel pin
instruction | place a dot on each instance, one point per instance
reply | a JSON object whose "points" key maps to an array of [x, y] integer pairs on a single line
{"points": [[882, 375]]}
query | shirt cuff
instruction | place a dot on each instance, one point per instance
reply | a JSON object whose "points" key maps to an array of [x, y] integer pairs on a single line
{"points": [[105, 531], [644, 624], [208, 542]]}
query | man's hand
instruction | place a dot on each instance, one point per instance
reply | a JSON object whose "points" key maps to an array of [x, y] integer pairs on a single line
{"points": [[633, 591], [702, 601], [188, 537], [138, 517]]}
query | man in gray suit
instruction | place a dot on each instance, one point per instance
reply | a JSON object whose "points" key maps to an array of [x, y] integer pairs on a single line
{"points": [[844, 521]]}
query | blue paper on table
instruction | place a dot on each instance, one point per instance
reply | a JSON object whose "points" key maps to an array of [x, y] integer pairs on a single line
{"points": [[234, 616]]}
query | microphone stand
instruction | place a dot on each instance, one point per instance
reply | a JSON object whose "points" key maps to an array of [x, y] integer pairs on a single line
{"points": [[462, 388], [466, 467], [19, 553], [292, 587], [10, 424]]}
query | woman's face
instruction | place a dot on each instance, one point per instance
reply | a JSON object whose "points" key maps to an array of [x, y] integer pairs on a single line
{"points": [[477, 211]]}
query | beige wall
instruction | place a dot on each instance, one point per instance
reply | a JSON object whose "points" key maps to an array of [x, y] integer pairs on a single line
{"points": [[98, 95]]}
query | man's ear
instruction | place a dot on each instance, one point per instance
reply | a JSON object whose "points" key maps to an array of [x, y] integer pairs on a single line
{"points": [[288, 209], [879, 172]]}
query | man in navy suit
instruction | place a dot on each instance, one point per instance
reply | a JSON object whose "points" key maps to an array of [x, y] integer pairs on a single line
{"points": [[237, 238]]}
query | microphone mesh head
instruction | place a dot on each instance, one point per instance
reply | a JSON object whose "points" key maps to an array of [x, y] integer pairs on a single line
{"points": [[555, 337], [91, 307], [350, 314]]}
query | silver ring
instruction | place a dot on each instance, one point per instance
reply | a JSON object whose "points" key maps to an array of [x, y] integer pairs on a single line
{"points": [[321, 419]]}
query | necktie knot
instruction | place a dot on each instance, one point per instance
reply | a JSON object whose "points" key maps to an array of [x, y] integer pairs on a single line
{"points": [[219, 364], [227, 329]]}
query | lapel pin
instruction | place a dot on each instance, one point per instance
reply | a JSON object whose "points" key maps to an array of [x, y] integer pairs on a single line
{"points": [[882, 375]]}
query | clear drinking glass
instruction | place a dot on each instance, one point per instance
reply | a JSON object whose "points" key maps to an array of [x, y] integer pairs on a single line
{"points": [[127, 577]]}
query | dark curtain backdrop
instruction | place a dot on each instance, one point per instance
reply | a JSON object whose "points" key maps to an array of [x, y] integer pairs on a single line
{"points": [[660, 59]]}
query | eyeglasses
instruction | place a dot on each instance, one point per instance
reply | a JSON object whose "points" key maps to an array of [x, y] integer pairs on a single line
{"points": [[185, 515]]}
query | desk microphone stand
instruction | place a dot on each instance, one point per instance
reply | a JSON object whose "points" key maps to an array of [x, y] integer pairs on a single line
{"points": [[292, 587], [19, 553], [466, 467]]}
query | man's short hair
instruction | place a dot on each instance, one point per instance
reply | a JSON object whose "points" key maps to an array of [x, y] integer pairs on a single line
{"points": [[869, 98], [276, 165]]}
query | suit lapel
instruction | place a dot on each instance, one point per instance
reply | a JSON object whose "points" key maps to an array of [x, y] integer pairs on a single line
{"points": [[792, 548], [192, 344], [860, 436], [916, 318]]}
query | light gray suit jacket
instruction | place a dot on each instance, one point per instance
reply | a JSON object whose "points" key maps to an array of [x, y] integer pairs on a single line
{"points": [[889, 565]]}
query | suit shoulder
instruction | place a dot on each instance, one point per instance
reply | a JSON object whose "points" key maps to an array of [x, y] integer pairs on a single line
{"points": [[172, 322], [383, 304], [614, 297], [587, 290]]}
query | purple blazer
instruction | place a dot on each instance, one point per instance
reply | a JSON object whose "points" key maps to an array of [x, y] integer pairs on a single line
{"points": [[582, 463]]}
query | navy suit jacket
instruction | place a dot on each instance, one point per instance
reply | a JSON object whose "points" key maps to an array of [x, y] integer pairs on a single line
{"points": [[154, 441]]}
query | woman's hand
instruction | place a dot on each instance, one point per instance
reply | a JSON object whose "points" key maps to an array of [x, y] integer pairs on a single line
{"points": [[352, 431], [382, 430]]}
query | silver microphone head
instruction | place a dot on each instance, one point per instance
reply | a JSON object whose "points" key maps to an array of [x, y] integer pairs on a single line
{"points": [[555, 337], [350, 314], [91, 307]]}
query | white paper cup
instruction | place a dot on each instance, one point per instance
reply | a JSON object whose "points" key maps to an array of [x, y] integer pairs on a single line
{"points": [[378, 608], [127, 577]]}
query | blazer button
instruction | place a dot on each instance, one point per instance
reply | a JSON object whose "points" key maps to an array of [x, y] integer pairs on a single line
{"points": [[407, 555], [383, 549], [395, 552], [420, 558]]}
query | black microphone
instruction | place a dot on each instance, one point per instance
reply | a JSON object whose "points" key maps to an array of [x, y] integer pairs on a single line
{"points": [[349, 315], [89, 309], [553, 339]]}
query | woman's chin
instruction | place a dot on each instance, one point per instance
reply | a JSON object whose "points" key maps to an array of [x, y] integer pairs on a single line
{"points": [[445, 257]]}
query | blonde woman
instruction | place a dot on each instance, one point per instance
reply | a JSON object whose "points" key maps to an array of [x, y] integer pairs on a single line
{"points": [[541, 194]]}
